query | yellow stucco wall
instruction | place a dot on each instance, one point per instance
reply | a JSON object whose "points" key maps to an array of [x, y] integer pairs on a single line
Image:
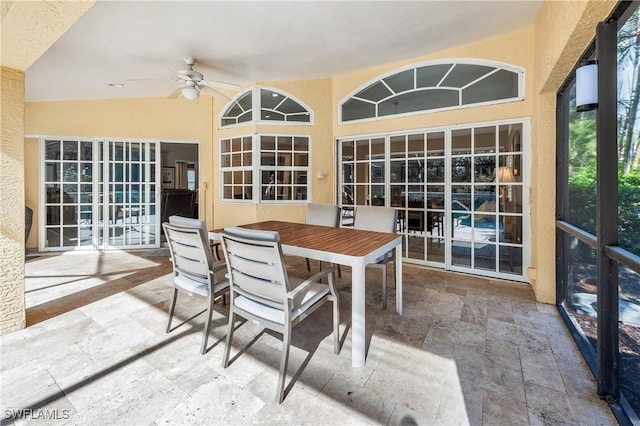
{"points": [[513, 49], [142, 118], [12, 315], [316, 95], [563, 31], [177, 119], [27, 30]]}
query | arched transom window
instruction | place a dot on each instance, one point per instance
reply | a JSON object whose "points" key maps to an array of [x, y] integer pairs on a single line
{"points": [[265, 105], [434, 86]]}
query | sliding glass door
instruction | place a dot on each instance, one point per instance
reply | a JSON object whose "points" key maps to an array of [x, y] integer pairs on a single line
{"points": [[67, 192], [99, 194], [416, 188], [127, 203], [458, 191], [486, 198]]}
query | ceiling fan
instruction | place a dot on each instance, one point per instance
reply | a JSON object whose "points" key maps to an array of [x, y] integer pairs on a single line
{"points": [[191, 83]]}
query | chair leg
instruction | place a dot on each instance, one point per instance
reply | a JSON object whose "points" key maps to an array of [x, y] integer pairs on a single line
{"points": [[227, 349], [308, 265], [286, 341], [207, 326], [339, 271], [172, 308]]}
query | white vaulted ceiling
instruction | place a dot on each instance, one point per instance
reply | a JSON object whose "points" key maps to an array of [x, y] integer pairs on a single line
{"points": [[247, 41]]}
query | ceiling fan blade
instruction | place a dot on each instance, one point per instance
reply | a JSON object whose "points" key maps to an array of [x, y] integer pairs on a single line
{"points": [[176, 92], [221, 85], [219, 95]]}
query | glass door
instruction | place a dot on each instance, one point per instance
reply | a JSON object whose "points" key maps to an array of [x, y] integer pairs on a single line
{"points": [[458, 192], [67, 193], [127, 202], [417, 191], [486, 199]]}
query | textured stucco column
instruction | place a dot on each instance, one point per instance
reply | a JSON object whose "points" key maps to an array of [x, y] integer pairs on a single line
{"points": [[12, 309], [27, 30], [562, 32]]}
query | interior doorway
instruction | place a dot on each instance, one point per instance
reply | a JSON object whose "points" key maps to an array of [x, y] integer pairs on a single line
{"points": [[180, 167]]}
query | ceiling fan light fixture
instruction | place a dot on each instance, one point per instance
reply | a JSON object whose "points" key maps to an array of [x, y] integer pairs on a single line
{"points": [[190, 93]]}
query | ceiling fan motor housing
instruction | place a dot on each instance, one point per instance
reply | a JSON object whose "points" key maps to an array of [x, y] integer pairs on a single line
{"points": [[190, 75]]}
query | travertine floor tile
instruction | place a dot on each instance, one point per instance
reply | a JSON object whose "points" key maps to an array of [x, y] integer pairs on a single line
{"points": [[503, 410], [467, 351]]}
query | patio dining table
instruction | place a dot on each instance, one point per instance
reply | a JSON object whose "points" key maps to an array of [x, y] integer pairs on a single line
{"points": [[344, 246]]}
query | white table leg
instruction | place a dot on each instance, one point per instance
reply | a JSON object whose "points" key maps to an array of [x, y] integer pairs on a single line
{"points": [[358, 346], [398, 268]]}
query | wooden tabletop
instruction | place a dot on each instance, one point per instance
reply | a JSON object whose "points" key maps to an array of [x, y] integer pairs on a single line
{"points": [[347, 241]]}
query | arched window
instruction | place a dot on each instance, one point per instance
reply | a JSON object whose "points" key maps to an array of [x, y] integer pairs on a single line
{"points": [[265, 168], [434, 85], [239, 110], [266, 106]]}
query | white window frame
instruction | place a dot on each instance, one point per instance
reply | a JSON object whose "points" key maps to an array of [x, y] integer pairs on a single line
{"points": [[451, 61], [276, 169], [256, 170], [242, 168], [98, 168], [525, 184], [256, 116]]}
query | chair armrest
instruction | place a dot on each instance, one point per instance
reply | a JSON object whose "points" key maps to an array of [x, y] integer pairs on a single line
{"points": [[303, 286]]}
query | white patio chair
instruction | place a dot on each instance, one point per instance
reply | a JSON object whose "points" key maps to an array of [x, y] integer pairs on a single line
{"points": [[263, 292], [188, 222], [324, 215], [380, 219], [194, 271]]}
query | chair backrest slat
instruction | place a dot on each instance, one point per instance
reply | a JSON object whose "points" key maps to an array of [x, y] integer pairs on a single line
{"points": [[186, 222], [189, 251], [259, 254], [269, 293], [188, 237], [271, 272], [256, 265], [196, 268]]}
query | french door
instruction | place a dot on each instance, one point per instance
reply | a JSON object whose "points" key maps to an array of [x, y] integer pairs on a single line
{"points": [[458, 191], [99, 194], [127, 192]]}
